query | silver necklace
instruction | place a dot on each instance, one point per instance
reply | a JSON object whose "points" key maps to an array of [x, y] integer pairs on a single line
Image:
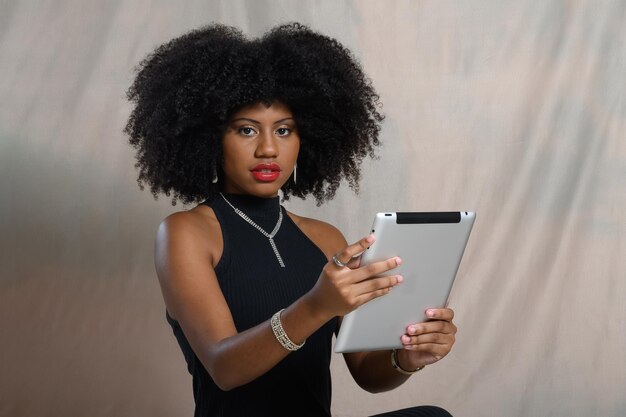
{"points": [[270, 236]]}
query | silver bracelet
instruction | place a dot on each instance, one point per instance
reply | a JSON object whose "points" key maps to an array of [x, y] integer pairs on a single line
{"points": [[396, 364], [281, 336]]}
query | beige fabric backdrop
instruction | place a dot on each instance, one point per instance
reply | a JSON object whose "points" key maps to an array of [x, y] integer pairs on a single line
{"points": [[514, 109]]}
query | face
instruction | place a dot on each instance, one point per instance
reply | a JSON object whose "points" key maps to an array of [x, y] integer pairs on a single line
{"points": [[261, 147]]}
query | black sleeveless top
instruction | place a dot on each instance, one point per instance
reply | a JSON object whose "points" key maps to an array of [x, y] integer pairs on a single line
{"points": [[255, 287]]}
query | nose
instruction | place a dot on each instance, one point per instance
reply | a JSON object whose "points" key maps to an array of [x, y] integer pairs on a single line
{"points": [[266, 146]]}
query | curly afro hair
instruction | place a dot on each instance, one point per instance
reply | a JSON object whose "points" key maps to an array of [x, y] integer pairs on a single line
{"points": [[187, 89]]}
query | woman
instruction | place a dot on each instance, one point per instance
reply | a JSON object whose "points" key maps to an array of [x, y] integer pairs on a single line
{"points": [[254, 293]]}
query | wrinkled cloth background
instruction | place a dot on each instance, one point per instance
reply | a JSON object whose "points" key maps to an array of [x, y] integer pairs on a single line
{"points": [[516, 110]]}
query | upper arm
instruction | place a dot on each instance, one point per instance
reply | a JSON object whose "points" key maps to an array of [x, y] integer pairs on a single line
{"points": [[188, 282], [330, 240], [353, 360], [326, 236]]}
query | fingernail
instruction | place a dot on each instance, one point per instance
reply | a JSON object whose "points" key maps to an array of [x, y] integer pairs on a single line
{"points": [[406, 339], [430, 313], [400, 278], [412, 329], [398, 260], [370, 239]]}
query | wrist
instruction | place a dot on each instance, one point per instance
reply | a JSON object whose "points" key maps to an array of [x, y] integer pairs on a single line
{"points": [[296, 321], [281, 335], [313, 309], [399, 362]]}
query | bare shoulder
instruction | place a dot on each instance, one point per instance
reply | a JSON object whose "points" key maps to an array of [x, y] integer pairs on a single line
{"points": [[187, 248], [326, 236], [198, 217], [191, 231]]}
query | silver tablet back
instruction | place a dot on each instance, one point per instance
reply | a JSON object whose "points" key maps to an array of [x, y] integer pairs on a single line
{"points": [[431, 246]]}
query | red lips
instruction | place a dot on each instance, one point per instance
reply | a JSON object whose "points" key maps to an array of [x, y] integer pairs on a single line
{"points": [[266, 172]]}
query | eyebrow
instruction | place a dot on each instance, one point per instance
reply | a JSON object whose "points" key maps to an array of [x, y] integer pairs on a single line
{"points": [[257, 122]]}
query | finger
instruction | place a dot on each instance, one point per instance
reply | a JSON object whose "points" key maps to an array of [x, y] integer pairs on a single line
{"points": [[446, 314], [375, 269], [430, 338], [437, 351], [379, 283], [431, 327], [355, 262], [369, 296], [355, 249], [375, 287]]}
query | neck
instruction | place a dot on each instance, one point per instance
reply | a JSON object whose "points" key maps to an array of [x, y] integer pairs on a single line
{"points": [[260, 208]]}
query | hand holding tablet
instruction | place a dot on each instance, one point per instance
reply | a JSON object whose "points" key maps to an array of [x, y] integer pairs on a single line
{"points": [[431, 246]]}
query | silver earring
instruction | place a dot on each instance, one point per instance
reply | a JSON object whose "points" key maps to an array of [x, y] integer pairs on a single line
{"points": [[214, 179], [295, 170]]}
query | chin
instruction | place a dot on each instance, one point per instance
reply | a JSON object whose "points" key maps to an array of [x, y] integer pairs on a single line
{"points": [[273, 192], [265, 190]]}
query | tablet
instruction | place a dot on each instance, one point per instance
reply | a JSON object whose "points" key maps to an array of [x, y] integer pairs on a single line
{"points": [[431, 246]]}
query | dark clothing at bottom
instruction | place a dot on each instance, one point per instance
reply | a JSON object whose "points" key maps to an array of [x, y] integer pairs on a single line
{"points": [[422, 411]]}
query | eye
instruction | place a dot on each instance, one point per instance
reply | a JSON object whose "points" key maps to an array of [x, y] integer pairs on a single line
{"points": [[247, 131], [283, 131]]}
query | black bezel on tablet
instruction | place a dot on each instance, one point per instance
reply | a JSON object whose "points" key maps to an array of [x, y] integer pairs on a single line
{"points": [[428, 217]]}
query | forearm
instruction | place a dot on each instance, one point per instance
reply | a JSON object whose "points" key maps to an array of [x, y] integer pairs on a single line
{"points": [[241, 358], [376, 374]]}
